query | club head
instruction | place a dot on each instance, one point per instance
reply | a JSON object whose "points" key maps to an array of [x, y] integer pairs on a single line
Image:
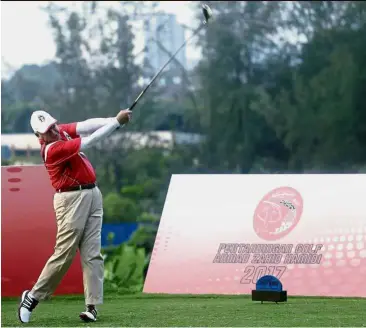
{"points": [[207, 12]]}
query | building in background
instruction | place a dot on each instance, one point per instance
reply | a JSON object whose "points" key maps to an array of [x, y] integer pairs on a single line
{"points": [[192, 63], [24, 148], [163, 30], [20, 148]]}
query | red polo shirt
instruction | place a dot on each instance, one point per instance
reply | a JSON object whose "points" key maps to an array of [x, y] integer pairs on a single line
{"points": [[65, 164]]}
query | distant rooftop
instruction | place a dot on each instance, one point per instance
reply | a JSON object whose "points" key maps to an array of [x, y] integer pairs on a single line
{"points": [[28, 141]]}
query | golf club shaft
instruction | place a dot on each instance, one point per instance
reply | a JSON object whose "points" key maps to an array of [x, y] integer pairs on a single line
{"points": [[170, 59]]}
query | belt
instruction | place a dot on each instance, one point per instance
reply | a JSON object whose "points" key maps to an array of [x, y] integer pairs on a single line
{"points": [[79, 187]]}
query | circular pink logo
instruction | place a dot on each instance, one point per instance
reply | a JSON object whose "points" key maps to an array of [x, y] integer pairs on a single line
{"points": [[278, 213]]}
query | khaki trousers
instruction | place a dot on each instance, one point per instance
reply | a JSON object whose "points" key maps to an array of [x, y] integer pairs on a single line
{"points": [[79, 216]]}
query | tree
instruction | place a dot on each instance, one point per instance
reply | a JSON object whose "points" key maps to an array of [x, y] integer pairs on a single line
{"points": [[319, 116], [234, 49]]}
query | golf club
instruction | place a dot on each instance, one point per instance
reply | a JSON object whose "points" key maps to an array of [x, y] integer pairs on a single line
{"points": [[207, 13]]}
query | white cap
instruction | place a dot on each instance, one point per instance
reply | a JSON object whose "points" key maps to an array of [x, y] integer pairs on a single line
{"points": [[41, 121]]}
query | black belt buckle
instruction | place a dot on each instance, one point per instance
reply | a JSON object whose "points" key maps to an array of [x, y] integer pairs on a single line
{"points": [[90, 186], [86, 186], [79, 187]]}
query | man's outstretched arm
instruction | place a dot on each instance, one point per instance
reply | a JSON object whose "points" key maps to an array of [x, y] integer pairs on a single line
{"points": [[104, 131], [91, 125], [58, 151]]}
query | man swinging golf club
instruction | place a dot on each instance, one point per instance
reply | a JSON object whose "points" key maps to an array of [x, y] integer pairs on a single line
{"points": [[77, 201], [78, 207]]}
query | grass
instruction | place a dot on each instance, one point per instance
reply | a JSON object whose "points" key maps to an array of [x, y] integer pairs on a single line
{"points": [[184, 311]]}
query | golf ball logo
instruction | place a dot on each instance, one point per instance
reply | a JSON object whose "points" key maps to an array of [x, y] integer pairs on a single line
{"points": [[278, 213]]}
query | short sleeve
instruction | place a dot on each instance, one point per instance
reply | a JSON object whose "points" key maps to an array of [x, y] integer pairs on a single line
{"points": [[70, 129], [62, 150]]}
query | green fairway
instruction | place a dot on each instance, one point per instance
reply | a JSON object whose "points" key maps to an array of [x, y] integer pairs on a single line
{"points": [[184, 311]]}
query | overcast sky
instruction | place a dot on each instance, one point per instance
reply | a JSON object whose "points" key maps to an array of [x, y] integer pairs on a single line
{"points": [[27, 39]]}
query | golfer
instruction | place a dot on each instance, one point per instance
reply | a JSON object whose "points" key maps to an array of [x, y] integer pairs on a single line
{"points": [[78, 207]]}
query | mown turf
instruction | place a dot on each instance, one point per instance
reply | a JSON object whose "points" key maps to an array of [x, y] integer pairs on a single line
{"points": [[197, 311]]}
